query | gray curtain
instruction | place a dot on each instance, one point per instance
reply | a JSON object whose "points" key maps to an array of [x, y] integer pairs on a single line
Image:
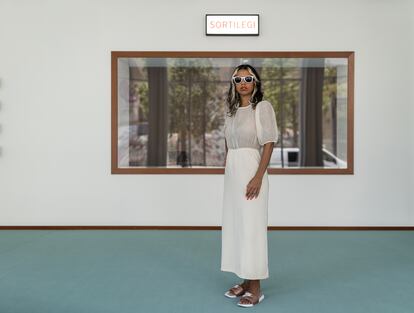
{"points": [[158, 119], [311, 113]]}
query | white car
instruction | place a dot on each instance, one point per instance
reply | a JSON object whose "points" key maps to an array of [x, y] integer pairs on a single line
{"points": [[291, 158]]}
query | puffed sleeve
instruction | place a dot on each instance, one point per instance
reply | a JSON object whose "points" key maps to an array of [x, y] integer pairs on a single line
{"points": [[266, 123]]}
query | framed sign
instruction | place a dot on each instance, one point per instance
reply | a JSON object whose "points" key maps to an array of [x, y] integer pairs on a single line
{"points": [[168, 110], [232, 24]]}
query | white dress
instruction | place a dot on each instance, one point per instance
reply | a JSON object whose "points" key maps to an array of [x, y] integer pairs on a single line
{"points": [[244, 222]]}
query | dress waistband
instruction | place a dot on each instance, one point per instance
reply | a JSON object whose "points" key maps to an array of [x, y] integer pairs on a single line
{"points": [[242, 148]]}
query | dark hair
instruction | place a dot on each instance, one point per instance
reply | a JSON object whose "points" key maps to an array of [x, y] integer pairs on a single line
{"points": [[233, 97]]}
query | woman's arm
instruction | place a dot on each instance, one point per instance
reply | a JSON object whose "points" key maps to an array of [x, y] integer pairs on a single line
{"points": [[253, 187], [264, 161]]}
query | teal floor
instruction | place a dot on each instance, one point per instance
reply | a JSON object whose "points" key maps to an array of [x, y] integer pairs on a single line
{"points": [[124, 271]]}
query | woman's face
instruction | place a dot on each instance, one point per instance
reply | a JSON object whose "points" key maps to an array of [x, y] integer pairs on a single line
{"points": [[244, 88]]}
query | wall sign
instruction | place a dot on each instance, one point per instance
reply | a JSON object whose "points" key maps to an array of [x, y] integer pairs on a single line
{"points": [[232, 24]]}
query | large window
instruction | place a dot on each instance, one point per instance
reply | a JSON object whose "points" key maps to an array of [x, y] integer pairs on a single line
{"points": [[168, 110]]}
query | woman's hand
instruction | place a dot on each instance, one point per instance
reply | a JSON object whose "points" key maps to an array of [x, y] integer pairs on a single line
{"points": [[253, 187]]}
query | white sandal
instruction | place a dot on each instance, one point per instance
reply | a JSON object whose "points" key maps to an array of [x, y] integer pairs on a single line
{"points": [[231, 294], [250, 296]]}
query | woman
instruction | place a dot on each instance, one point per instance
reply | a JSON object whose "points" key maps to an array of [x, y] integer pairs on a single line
{"points": [[250, 131]]}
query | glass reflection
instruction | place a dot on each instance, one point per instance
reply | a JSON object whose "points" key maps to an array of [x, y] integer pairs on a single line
{"points": [[171, 110]]}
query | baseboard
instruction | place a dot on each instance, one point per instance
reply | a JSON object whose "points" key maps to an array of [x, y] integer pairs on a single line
{"points": [[155, 227]]}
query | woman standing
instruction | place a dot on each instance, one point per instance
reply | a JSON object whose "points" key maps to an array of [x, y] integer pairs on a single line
{"points": [[250, 131]]}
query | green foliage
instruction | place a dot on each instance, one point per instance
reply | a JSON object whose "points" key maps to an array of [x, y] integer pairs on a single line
{"points": [[192, 87]]}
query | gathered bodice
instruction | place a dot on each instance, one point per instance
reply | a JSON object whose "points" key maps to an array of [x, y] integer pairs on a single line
{"points": [[245, 129]]}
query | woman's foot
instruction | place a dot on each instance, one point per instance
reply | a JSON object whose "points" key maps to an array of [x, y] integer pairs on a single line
{"points": [[255, 292]]}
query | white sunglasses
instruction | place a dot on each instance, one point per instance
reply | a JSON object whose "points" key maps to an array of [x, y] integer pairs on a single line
{"points": [[246, 79]]}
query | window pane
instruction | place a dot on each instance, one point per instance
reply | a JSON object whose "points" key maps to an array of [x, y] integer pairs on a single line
{"points": [[171, 110]]}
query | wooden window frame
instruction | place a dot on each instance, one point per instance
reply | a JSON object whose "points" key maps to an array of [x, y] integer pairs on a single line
{"points": [[231, 54]]}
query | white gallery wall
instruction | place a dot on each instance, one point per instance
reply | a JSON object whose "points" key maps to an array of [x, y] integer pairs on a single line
{"points": [[410, 65], [55, 111]]}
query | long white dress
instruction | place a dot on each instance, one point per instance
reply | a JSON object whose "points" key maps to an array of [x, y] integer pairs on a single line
{"points": [[244, 222]]}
